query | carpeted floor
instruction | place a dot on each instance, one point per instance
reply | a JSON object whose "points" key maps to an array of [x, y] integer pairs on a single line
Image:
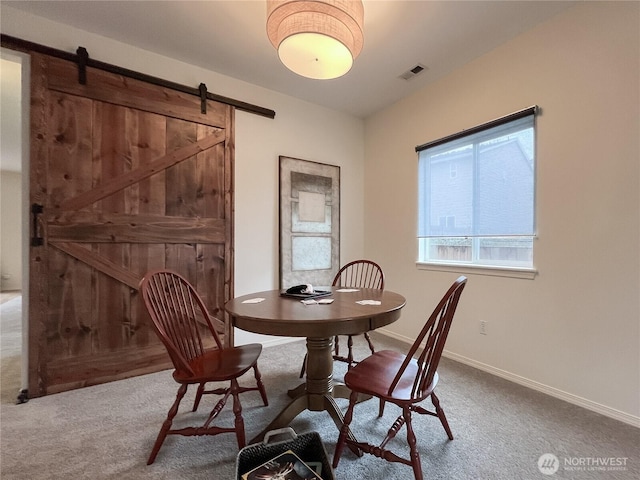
{"points": [[501, 430], [10, 346]]}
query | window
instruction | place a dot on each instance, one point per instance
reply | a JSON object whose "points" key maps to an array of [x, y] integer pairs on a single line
{"points": [[484, 214]]}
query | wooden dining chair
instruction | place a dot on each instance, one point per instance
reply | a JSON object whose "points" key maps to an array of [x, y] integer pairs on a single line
{"points": [[404, 380], [356, 274], [185, 327]]}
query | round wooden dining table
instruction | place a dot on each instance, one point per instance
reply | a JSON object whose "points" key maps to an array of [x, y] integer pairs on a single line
{"points": [[271, 313]]}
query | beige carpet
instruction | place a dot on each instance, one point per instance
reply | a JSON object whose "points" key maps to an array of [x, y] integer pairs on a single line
{"points": [[501, 430], [9, 378], [10, 349]]}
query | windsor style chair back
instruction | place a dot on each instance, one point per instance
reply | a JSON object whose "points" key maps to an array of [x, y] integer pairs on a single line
{"points": [[405, 381], [356, 274], [186, 329]]}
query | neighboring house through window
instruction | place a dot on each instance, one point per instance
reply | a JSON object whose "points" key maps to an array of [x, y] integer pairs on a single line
{"points": [[477, 195]]}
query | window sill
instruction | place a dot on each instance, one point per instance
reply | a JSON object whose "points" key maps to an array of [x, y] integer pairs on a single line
{"points": [[496, 271]]}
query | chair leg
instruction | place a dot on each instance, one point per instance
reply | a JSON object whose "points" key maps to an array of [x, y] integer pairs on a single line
{"points": [[366, 336], [166, 426], [441, 415], [336, 346], [237, 410], [344, 431], [411, 440], [261, 389], [304, 366], [350, 351], [199, 393]]}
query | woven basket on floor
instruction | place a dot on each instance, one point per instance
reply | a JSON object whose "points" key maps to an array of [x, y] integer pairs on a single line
{"points": [[307, 446]]}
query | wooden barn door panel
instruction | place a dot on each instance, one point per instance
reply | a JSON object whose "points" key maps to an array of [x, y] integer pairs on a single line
{"points": [[131, 178]]}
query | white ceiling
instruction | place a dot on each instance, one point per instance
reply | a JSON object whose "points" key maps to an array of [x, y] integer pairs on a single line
{"points": [[229, 37]]}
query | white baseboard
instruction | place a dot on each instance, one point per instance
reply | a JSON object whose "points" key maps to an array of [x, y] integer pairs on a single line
{"points": [[554, 392]]}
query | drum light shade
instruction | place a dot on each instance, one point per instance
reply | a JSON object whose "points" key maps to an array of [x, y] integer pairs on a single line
{"points": [[316, 38]]}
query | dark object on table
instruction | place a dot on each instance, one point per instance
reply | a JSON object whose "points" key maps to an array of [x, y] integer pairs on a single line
{"points": [[304, 291]]}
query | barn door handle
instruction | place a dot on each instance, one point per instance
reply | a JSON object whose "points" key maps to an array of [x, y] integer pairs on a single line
{"points": [[36, 240]]}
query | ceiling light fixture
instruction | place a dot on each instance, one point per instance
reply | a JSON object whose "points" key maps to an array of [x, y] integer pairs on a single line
{"points": [[316, 38]]}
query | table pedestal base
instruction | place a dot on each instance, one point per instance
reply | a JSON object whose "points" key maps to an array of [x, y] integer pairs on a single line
{"points": [[317, 394], [314, 403]]}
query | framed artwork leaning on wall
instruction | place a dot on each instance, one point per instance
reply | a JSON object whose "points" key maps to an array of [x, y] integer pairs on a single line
{"points": [[309, 222]]}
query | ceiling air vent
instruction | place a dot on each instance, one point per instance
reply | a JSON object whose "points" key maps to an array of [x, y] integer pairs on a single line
{"points": [[412, 72]]}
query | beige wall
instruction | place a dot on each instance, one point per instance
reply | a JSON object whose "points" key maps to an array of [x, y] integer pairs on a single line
{"points": [[574, 330], [10, 176], [10, 230]]}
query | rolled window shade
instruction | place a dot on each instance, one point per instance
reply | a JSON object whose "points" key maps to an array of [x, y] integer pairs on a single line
{"points": [[480, 182]]}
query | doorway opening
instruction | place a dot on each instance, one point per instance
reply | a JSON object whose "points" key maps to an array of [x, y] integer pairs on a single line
{"points": [[14, 229]]}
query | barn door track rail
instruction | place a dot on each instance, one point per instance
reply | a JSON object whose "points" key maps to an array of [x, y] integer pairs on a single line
{"points": [[81, 57]]}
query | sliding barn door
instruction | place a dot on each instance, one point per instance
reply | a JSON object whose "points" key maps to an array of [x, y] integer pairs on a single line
{"points": [[125, 177]]}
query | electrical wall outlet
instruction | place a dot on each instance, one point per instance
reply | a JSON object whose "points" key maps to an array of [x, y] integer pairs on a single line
{"points": [[483, 327]]}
